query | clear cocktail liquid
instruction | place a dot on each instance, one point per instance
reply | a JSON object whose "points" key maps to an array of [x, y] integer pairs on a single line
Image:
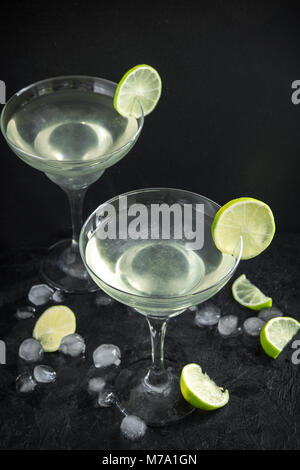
{"points": [[156, 267], [70, 125]]}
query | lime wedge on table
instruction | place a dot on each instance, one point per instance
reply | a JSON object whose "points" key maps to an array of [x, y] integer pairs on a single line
{"points": [[55, 323], [246, 217], [140, 86], [199, 390], [276, 334], [248, 295]]}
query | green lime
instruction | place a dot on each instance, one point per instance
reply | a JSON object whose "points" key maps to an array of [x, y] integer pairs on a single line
{"points": [[276, 334], [55, 323], [246, 217], [248, 295], [200, 391], [139, 87]]}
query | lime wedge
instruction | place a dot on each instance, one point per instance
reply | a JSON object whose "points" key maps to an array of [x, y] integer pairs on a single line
{"points": [[246, 217], [199, 390], [276, 334], [140, 86], [55, 323], [248, 295]]}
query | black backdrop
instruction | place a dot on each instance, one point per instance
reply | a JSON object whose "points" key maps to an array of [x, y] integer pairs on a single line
{"points": [[225, 125]]}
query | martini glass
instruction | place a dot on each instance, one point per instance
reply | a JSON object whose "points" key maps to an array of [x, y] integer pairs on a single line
{"points": [[159, 277], [68, 128]]}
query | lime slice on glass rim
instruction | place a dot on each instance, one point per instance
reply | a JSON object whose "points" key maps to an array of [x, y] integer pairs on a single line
{"points": [[276, 334], [248, 295], [200, 391], [246, 217], [55, 323], [140, 86]]}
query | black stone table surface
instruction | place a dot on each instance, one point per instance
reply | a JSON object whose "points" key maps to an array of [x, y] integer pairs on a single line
{"points": [[264, 407]]}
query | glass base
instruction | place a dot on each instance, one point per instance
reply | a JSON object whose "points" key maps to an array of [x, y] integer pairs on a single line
{"points": [[63, 269], [157, 406]]}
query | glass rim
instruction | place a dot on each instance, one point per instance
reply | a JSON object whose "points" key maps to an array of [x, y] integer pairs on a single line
{"points": [[88, 163], [156, 297]]}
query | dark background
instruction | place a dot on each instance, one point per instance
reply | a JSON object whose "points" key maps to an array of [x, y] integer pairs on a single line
{"points": [[225, 125]]}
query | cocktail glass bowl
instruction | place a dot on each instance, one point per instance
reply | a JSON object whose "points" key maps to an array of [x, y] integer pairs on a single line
{"points": [[68, 128], [159, 277]]}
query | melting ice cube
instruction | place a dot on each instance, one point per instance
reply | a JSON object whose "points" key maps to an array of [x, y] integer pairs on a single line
{"points": [[267, 313], [103, 300], [72, 345], [207, 314], [58, 296], [44, 374], [193, 308], [133, 427], [253, 325], [105, 399], [228, 325], [25, 383], [40, 294], [107, 355], [96, 385], [31, 350], [25, 312]]}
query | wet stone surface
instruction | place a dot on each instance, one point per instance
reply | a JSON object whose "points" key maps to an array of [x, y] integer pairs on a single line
{"points": [[264, 407]]}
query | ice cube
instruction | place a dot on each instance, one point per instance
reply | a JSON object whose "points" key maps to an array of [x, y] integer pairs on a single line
{"points": [[31, 350], [253, 325], [133, 427], [44, 374], [107, 355], [58, 297], [228, 325], [25, 312], [103, 300], [40, 294], [25, 383], [105, 399], [267, 313], [72, 345], [207, 315], [96, 385], [193, 308]]}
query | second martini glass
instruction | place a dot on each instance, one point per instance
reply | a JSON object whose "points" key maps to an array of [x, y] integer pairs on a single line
{"points": [[159, 277], [68, 128]]}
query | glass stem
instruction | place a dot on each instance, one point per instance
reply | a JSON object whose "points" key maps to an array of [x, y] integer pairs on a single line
{"points": [[76, 198], [157, 375]]}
